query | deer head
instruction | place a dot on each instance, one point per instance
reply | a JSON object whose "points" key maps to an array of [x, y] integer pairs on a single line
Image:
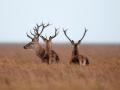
{"points": [[75, 45], [35, 36], [48, 41]]}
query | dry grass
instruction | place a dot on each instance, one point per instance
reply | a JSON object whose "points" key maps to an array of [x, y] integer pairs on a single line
{"points": [[21, 70]]}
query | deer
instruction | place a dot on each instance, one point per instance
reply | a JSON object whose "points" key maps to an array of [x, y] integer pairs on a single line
{"points": [[34, 44], [50, 55], [77, 58]]}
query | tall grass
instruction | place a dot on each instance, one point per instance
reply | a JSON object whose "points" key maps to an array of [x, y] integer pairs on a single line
{"points": [[22, 70]]}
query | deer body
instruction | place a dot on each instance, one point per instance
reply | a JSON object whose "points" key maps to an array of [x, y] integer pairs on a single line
{"points": [[83, 60], [76, 58], [75, 55], [50, 55]]}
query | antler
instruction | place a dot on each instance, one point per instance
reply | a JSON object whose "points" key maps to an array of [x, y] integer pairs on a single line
{"points": [[43, 27], [29, 36], [56, 33], [36, 31], [43, 38], [83, 36], [64, 30], [32, 33]]}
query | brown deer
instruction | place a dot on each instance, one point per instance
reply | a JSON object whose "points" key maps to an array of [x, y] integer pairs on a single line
{"points": [[50, 55], [34, 44], [76, 58]]}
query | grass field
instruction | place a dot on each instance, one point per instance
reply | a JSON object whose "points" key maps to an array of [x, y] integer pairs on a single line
{"points": [[22, 70]]}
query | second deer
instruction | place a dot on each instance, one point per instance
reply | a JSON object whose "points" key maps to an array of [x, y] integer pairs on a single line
{"points": [[76, 58], [50, 55]]}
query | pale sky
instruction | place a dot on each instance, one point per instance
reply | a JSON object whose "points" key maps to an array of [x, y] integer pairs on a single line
{"points": [[100, 17]]}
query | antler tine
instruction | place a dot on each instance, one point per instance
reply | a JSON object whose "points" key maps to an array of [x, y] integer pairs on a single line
{"points": [[36, 30], [32, 33], [43, 27], [48, 24], [56, 29], [42, 23], [56, 33], [43, 38], [64, 30], [38, 26], [83, 36], [29, 36]]}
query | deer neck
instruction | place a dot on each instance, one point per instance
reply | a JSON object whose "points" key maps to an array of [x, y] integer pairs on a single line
{"points": [[38, 49], [47, 48], [75, 50]]}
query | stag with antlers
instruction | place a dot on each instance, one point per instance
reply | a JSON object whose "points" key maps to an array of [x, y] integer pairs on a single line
{"points": [[34, 44], [50, 55], [76, 58]]}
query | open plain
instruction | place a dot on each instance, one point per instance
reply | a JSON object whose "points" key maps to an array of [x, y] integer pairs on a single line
{"points": [[21, 69]]}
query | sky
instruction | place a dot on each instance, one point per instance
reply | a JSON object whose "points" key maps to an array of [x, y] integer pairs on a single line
{"points": [[100, 17]]}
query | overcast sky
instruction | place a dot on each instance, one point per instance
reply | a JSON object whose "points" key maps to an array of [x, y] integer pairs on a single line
{"points": [[100, 17]]}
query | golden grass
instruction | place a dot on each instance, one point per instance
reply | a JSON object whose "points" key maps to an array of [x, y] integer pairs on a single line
{"points": [[22, 70]]}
